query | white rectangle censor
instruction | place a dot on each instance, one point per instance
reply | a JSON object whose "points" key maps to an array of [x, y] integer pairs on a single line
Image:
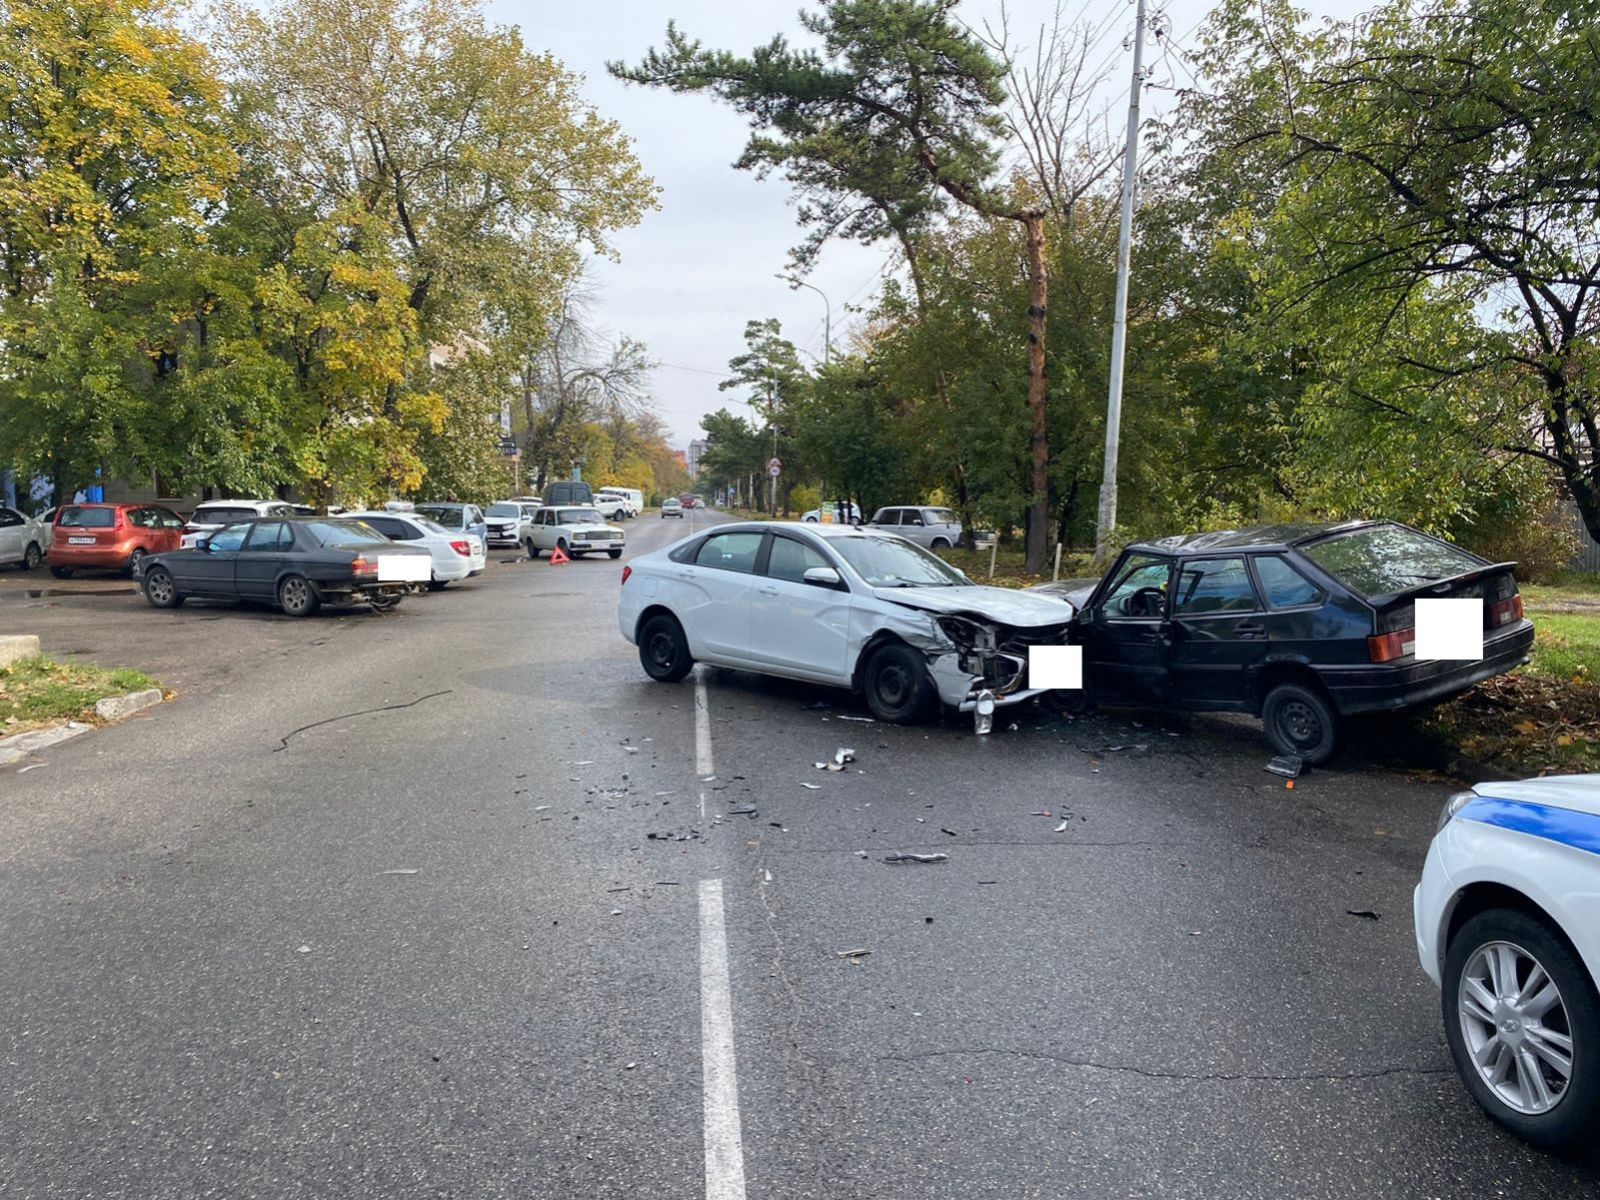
{"points": [[1450, 628], [404, 568], [1055, 666]]}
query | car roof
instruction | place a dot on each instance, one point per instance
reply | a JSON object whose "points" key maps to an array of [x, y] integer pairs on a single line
{"points": [[1256, 537], [234, 503], [812, 527]]}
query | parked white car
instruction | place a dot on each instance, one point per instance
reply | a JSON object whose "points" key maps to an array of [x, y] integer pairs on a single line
{"points": [[927, 526], [611, 506], [833, 512], [23, 540], [833, 604], [455, 555], [633, 497], [506, 523], [1508, 925], [576, 531], [212, 515]]}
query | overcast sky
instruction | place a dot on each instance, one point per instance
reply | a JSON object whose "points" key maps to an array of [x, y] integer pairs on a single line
{"points": [[692, 273]]}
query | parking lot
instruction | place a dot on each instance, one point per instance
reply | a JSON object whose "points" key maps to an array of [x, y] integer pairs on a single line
{"points": [[426, 903]]}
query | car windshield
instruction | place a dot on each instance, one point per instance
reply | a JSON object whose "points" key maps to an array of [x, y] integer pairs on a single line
{"points": [[504, 510], [87, 518], [450, 518], [579, 516], [1383, 559], [890, 562], [344, 533]]}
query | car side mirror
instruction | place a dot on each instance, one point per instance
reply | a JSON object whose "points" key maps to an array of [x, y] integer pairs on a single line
{"points": [[823, 577]]}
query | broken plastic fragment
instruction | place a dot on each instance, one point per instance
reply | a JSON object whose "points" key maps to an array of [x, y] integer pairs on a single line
{"points": [[1290, 766], [1061, 828], [854, 953], [983, 713], [844, 755], [898, 857], [812, 787]]}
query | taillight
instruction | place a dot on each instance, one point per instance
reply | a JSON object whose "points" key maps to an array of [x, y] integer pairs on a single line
{"points": [[462, 548], [626, 571], [1391, 645], [364, 568], [1506, 612]]}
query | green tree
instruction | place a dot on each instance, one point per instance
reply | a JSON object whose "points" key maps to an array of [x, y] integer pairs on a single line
{"points": [[898, 113], [113, 152]]}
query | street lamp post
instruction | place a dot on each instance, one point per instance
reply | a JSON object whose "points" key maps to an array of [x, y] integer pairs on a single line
{"points": [[827, 315]]}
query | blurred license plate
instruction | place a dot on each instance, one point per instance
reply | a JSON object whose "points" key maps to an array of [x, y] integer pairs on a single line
{"points": [[404, 568], [72, 541]]}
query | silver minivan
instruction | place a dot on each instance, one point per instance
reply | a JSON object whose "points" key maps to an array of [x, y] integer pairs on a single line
{"points": [[931, 528]]}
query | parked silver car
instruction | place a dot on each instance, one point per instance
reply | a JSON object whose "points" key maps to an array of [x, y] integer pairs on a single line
{"points": [[931, 528]]}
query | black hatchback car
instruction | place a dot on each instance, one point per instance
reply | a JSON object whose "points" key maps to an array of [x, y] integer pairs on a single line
{"points": [[1301, 625]]}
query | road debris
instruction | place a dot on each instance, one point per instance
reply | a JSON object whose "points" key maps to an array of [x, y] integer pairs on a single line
{"points": [[1290, 766], [624, 888], [854, 953], [983, 713], [303, 950], [812, 787], [1366, 914], [401, 871], [630, 1066], [1062, 828], [747, 810], [951, 832], [861, 853], [863, 720], [898, 857]]}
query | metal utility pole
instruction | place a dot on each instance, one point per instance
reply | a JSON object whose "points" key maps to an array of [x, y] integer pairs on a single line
{"points": [[827, 316], [1107, 521]]}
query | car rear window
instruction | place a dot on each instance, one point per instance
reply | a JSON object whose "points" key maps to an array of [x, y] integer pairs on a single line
{"points": [[87, 518], [1383, 559], [223, 516], [344, 533], [448, 517]]}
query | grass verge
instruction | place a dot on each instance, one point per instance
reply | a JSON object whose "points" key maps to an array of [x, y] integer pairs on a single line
{"points": [[36, 692]]}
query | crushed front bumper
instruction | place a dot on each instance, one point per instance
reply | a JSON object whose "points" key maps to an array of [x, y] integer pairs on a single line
{"points": [[1002, 675]]}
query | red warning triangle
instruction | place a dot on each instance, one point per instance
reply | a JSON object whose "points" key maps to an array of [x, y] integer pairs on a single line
{"points": [[558, 557]]}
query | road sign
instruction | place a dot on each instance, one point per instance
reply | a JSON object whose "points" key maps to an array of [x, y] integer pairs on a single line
{"points": [[774, 467]]}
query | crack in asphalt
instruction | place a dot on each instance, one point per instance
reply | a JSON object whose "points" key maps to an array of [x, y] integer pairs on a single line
{"points": [[1186, 1076], [955, 844], [283, 742]]}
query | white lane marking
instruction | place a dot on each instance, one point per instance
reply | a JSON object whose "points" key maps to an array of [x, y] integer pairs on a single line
{"points": [[703, 764], [724, 1139]]}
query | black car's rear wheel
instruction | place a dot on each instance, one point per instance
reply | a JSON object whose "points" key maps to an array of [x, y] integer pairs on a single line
{"points": [[61, 572], [297, 597], [160, 589], [897, 685], [1299, 720], [664, 650], [32, 557]]}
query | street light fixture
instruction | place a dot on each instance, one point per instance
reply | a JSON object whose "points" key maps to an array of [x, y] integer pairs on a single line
{"points": [[827, 308]]}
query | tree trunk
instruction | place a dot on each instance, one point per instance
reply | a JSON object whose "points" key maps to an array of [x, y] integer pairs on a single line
{"points": [[1038, 441]]}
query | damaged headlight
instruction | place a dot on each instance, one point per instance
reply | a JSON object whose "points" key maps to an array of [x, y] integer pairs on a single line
{"points": [[967, 634]]}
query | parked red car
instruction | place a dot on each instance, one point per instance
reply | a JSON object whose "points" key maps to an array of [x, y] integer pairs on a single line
{"points": [[111, 537]]}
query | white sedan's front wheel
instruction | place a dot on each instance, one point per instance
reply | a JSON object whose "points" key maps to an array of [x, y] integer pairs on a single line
{"points": [[1523, 1023]]}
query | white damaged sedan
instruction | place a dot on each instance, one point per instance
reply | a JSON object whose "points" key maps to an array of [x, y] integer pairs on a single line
{"points": [[833, 604]]}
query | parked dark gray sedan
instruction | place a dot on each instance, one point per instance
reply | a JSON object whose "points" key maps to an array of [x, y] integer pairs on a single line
{"points": [[298, 564]]}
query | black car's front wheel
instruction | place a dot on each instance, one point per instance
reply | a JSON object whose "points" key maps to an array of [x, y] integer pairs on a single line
{"points": [[664, 649], [160, 589], [1300, 720], [897, 685], [297, 597], [1523, 1024]]}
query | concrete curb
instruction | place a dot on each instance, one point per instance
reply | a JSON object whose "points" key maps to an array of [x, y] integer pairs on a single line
{"points": [[114, 708], [14, 647], [19, 746]]}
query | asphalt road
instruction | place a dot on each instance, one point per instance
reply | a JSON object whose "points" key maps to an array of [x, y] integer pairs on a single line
{"points": [[374, 909]]}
